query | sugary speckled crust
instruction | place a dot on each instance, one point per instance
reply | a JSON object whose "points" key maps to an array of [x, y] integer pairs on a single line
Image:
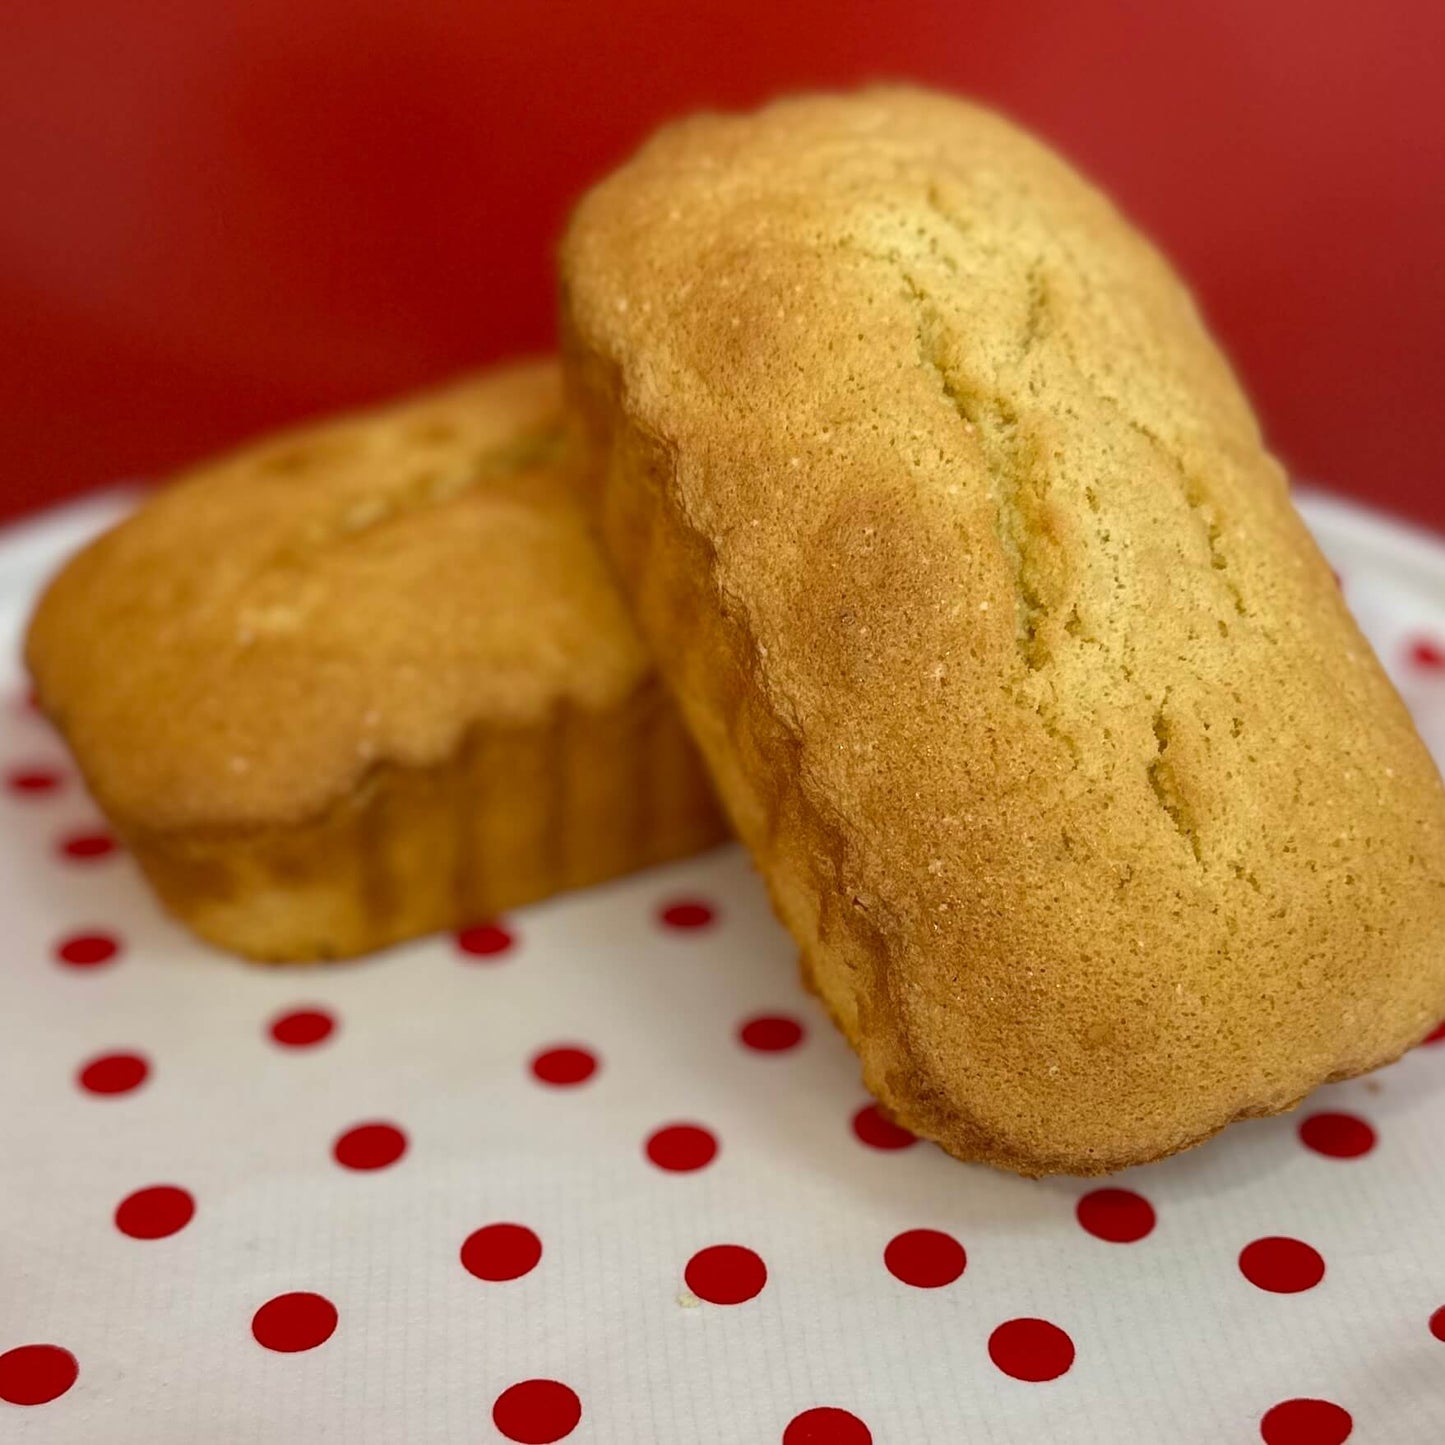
{"points": [[1095, 818], [368, 680]]}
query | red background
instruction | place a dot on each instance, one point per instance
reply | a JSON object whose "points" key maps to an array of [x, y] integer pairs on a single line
{"points": [[219, 216]]}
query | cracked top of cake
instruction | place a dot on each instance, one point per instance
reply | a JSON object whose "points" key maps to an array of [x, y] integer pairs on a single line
{"points": [[274, 623], [1074, 707]]}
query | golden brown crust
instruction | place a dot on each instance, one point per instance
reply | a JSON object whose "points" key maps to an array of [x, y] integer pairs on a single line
{"points": [[367, 680], [513, 815], [1096, 820]]}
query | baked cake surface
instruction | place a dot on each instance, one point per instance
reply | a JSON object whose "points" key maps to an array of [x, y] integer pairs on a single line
{"points": [[1095, 818], [368, 679]]}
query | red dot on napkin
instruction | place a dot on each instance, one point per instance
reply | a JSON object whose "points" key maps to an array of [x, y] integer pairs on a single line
{"points": [[687, 913], [1030, 1349], [1340, 1136], [31, 782], [290, 1323], [500, 1252], [771, 1033], [1117, 1215], [87, 950], [878, 1132], [564, 1065], [537, 1412], [827, 1425], [1281, 1265], [36, 1374], [925, 1258], [301, 1028], [726, 1274], [155, 1212], [369, 1146], [682, 1148], [485, 940], [87, 847], [1306, 1422], [1427, 654], [117, 1073]]}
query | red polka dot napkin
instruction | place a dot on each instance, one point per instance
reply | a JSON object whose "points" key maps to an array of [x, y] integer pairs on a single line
{"points": [[601, 1172]]}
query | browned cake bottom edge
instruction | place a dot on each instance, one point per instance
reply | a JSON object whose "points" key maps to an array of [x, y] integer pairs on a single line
{"points": [[513, 815]]}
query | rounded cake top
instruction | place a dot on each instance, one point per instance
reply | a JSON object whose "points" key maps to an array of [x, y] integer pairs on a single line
{"points": [[278, 621]]}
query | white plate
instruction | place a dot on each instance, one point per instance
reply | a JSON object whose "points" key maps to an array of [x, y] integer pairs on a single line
{"points": [[1170, 1340]]}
